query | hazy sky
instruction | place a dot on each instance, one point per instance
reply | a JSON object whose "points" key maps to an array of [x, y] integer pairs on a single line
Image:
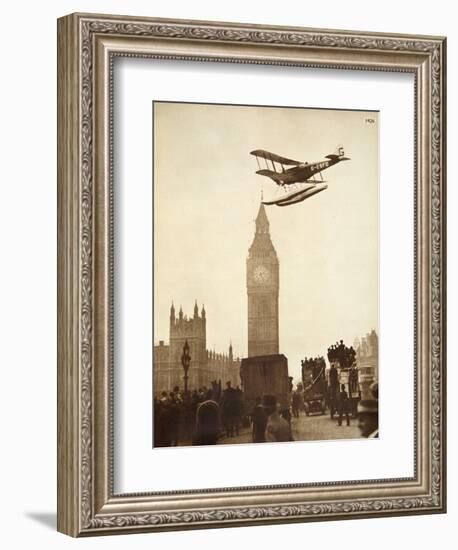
{"points": [[207, 195]]}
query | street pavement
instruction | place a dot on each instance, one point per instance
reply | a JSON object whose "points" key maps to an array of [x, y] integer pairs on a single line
{"points": [[307, 428], [321, 427]]}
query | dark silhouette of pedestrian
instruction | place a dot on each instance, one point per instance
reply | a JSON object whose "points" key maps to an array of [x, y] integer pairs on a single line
{"points": [[368, 414], [259, 419], [230, 410], [207, 423], [277, 428], [344, 406]]}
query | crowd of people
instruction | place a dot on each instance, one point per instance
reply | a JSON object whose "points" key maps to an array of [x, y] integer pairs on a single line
{"points": [[204, 416], [183, 417], [316, 365], [345, 356]]}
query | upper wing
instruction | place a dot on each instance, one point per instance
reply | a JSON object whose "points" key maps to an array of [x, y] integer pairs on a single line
{"points": [[273, 157]]}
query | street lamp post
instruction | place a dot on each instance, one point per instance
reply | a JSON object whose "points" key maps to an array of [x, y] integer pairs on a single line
{"points": [[185, 361]]}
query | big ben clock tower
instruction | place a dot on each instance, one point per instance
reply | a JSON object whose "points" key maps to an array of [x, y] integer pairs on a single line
{"points": [[262, 275]]}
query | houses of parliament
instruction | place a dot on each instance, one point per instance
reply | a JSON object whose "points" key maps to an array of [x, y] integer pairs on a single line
{"points": [[262, 285]]}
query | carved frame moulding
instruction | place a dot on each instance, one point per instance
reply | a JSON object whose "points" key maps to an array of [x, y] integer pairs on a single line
{"points": [[87, 46]]}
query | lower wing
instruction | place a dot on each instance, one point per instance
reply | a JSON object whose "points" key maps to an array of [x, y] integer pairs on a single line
{"points": [[272, 175]]}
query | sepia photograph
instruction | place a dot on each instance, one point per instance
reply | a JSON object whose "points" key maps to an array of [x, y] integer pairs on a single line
{"points": [[266, 274], [251, 251]]}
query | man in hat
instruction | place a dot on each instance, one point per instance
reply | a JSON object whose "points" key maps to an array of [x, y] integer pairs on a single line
{"points": [[229, 410], [207, 429], [344, 405], [259, 419], [277, 428], [368, 418]]}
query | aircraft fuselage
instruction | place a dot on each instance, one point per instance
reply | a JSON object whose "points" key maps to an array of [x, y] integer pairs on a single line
{"points": [[303, 172]]}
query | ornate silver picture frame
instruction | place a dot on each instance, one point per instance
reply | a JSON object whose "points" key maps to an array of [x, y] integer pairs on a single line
{"points": [[87, 47]]}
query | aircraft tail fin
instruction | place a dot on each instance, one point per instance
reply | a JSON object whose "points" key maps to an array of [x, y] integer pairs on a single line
{"points": [[339, 154]]}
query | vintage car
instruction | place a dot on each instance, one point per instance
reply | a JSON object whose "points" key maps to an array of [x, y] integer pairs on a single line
{"points": [[314, 404]]}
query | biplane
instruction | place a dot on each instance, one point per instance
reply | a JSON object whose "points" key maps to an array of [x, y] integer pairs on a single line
{"points": [[306, 178]]}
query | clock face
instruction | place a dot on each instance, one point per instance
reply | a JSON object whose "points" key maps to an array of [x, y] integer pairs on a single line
{"points": [[261, 274]]}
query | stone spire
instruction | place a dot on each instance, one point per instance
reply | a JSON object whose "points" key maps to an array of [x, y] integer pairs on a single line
{"points": [[262, 245], [196, 311], [262, 222]]}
